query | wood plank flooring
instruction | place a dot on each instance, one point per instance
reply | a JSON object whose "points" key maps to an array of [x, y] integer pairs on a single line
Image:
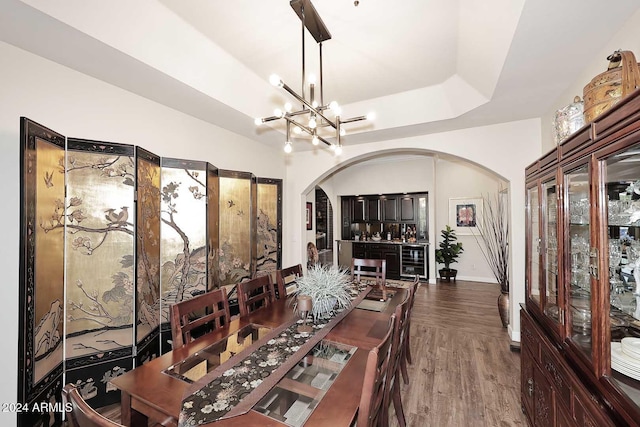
{"points": [[463, 373]]}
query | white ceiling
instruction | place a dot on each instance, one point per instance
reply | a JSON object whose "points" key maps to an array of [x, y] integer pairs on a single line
{"points": [[422, 66]]}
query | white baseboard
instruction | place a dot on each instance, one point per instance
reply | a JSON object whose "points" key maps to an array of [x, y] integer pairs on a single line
{"points": [[515, 335], [477, 279]]}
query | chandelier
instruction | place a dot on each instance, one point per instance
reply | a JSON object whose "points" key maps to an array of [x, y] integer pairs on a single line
{"points": [[314, 116]]}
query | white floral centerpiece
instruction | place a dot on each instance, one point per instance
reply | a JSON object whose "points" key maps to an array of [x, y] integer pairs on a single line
{"points": [[328, 287]]}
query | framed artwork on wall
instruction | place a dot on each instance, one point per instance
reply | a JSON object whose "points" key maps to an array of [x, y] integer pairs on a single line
{"points": [[464, 214], [309, 216]]}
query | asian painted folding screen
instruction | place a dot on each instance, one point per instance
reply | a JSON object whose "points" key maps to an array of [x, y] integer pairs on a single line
{"points": [[135, 233], [40, 349]]}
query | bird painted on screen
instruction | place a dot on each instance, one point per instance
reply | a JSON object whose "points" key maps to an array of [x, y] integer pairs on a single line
{"points": [[111, 216], [117, 218], [123, 215], [48, 179]]}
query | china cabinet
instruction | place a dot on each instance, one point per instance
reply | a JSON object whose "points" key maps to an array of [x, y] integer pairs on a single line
{"points": [[580, 323]]}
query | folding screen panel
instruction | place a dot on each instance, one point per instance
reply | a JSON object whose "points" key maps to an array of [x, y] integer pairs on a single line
{"points": [[184, 255], [269, 226], [147, 256], [100, 268], [42, 212], [237, 227], [213, 226]]}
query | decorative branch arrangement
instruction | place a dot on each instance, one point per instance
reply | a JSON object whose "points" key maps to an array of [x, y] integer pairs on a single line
{"points": [[493, 230]]}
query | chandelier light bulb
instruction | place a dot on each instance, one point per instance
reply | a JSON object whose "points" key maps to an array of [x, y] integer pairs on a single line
{"points": [[371, 116], [278, 112], [287, 147], [338, 150], [333, 105], [315, 140], [311, 79], [314, 104], [258, 121], [343, 132], [274, 79], [287, 107], [312, 123], [297, 130], [332, 147]]}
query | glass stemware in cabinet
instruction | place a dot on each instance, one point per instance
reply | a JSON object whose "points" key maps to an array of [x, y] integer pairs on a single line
{"points": [[550, 231], [616, 286], [579, 307], [533, 246], [622, 186]]}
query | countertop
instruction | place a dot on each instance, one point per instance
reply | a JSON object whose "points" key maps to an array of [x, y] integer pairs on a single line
{"points": [[387, 242]]}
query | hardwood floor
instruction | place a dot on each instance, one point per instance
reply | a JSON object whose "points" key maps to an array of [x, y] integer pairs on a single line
{"points": [[463, 373]]}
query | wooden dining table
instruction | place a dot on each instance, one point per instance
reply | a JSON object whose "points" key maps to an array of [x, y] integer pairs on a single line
{"points": [[148, 392]]}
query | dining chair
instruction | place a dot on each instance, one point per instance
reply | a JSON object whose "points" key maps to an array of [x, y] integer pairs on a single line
{"points": [[81, 414], [284, 277], [200, 314], [375, 268], [371, 411], [255, 294], [392, 390], [406, 357]]}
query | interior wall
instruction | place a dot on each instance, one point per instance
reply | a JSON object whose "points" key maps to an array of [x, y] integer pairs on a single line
{"points": [[627, 38], [459, 179], [80, 106]]}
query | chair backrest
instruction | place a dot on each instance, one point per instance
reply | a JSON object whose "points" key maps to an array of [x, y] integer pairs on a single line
{"points": [[371, 411], [412, 294], [400, 333], [376, 268], [202, 313], [83, 415], [286, 276], [254, 294]]}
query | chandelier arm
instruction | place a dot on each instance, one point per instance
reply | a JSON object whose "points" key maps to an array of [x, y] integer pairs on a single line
{"points": [[306, 129], [353, 119], [305, 102]]}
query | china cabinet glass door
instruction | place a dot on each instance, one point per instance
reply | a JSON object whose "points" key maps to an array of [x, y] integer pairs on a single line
{"points": [[577, 257], [550, 253], [621, 252], [533, 245]]}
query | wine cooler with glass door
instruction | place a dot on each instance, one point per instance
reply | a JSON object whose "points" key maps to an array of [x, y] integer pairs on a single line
{"points": [[414, 261]]}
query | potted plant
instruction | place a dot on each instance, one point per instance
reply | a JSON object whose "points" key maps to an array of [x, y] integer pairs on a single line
{"points": [[328, 287], [450, 250], [493, 230]]}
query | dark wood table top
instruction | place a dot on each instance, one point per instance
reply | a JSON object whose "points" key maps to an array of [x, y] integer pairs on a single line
{"points": [[148, 392]]}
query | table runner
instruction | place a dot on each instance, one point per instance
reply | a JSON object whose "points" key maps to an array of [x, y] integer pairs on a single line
{"points": [[234, 387]]}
